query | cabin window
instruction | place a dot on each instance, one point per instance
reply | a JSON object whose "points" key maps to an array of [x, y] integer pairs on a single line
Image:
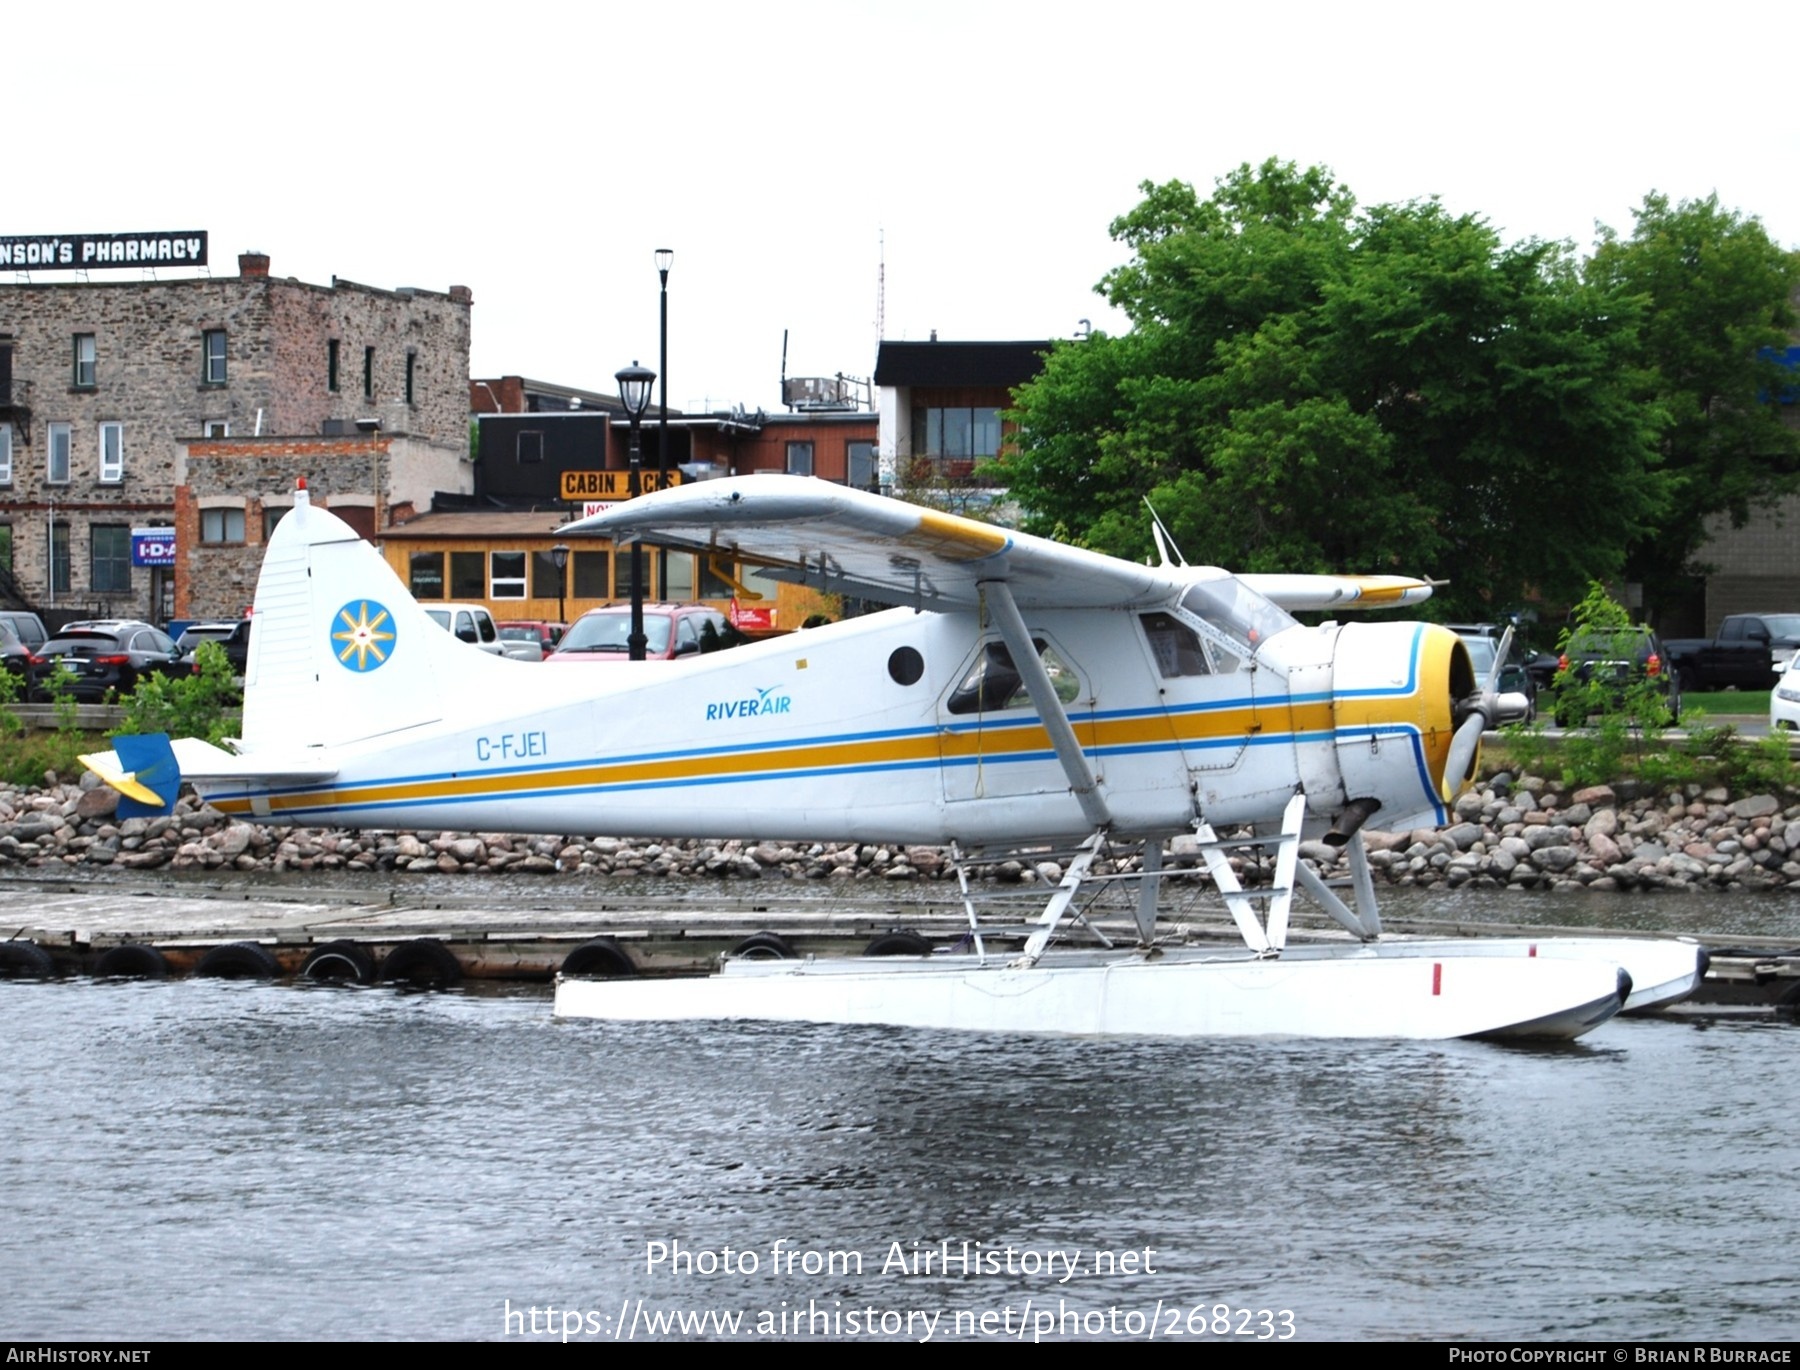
{"points": [[546, 580], [468, 575], [426, 575], [593, 574], [994, 683], [1237, 614], [1177, 648], [677, 576], [508, 569]]}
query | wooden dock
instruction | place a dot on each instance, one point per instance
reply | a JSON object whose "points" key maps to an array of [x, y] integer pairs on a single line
{"points": [[515, 931]]}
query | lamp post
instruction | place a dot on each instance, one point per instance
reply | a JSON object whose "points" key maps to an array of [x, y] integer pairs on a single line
{"points": [[634, 393], [665, 258], [559, 558]]}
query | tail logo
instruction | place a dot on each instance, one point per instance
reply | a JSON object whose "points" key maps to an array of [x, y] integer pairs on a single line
{"points": [[363, 637]]}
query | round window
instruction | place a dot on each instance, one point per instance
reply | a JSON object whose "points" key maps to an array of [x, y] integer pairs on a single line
{"points": [[906, 666]]}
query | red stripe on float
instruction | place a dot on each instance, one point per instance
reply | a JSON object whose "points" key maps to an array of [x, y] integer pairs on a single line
{"points": [[1533, 951], [1437, 977]]}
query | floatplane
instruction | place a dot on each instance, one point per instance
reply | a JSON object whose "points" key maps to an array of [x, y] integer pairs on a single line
{"points": [[1019, 692]]}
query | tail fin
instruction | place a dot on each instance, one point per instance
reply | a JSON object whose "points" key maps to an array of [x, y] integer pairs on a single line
{"points": [[340, 650]]}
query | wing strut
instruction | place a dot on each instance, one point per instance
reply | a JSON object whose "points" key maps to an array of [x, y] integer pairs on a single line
{"points": [[1030, 667]]}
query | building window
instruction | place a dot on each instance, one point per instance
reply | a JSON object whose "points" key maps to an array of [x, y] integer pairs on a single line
{"points": [[799, 458], [508, 575], [84, 361], [468, 575], [426, 575], [368, 373], [593, 574], [56, 469], [331, 365], [6, 546], [412, 366], [221, 525], [59, 558], [5, 454], [956, 433], [216, 428], [677, 576], [546, 581], [109, 559], [859, 465], [212, 354], [112, 453], [271, 517]]}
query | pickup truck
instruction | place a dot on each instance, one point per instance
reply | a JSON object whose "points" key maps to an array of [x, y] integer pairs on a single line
{"points": [[1750, 652]]}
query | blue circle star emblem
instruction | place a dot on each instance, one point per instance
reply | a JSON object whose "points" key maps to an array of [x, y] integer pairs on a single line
{"points": [[362, 635]]}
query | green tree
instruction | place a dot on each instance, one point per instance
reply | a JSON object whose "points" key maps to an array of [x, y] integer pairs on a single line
{"points": [[1310, 386], [1714, 295]]}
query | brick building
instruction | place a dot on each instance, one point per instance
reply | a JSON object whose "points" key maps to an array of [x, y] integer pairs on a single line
{"points": [[194, 404]]}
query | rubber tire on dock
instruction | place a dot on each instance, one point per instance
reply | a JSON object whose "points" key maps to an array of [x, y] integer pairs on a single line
{"points": [[21, 960], [336, 962], [133, 961], [898, 942], [424, 962], [602, 958], [238, 961], [765, 946]]}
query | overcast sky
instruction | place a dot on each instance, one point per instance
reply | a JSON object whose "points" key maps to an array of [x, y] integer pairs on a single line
{"points": [[539, 153]]}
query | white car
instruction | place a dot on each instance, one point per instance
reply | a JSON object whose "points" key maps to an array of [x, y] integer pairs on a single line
{"points": [[1784, 700], [473, 624]]}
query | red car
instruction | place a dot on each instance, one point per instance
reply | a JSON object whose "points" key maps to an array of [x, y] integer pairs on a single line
{"points": [[670, 631]]}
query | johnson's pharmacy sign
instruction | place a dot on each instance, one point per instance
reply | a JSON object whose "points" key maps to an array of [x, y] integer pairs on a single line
{"points": [[88, 251]]}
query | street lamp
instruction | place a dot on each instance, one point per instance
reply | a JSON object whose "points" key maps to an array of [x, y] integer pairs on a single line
{"points": [[634, 393], [559, 558], [665, 258]]}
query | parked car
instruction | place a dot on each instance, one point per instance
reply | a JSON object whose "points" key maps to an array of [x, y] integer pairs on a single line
{"points": [[469, 623], [233, 635], [15, 656], [26, 626], [1749, 652], [1483, 643], [1617, 658], [1784, 699], [670, 631], [530, 639], [107, 658]]}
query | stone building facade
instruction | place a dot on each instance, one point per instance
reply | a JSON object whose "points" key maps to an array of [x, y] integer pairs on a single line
{"points": [[194, 403]]}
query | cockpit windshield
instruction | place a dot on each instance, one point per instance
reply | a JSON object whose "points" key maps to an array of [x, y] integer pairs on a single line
{"points": [[1234, 609]]}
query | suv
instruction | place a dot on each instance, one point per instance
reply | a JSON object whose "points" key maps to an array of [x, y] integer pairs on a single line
{"points": [[102, 657], [670, 631], [233, 636], [1617, 659]]}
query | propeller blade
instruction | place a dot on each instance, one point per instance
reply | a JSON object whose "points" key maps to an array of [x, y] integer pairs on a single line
{"points": [[1463, 748]]}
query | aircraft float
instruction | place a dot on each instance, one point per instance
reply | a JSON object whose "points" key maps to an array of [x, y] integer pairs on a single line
{"points": [[1020, 693]]}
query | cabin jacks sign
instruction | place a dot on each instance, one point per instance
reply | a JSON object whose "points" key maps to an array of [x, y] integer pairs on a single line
{"points": [[87, 251]]}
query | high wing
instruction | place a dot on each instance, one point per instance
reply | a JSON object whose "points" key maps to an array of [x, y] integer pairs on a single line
{"points": [[851, 542], [848, 541]]}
